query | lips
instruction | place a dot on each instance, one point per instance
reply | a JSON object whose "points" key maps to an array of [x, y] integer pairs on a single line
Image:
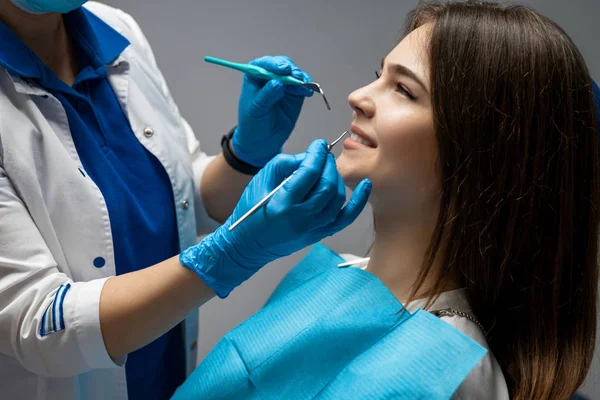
{"points": [[359, 136], [359, 139]]}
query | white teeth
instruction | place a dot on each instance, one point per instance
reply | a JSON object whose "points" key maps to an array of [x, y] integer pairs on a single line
{"points": [[359, 139]]}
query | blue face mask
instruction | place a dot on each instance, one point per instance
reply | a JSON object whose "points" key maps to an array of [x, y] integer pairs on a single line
{"points": [[47, 6]]}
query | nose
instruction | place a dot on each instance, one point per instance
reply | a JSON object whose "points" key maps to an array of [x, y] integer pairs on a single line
{"points": [[361, 102]]}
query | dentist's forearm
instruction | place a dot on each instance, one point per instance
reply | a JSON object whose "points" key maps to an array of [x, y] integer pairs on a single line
{"points": [[221, 188], [138, 307]]}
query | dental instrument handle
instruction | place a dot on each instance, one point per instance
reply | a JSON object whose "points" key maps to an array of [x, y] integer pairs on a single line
{"points": [[260, 203], [268, 196], [254, 70]]}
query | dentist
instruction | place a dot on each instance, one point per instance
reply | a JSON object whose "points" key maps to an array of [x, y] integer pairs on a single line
{"points": [[103, 191]]}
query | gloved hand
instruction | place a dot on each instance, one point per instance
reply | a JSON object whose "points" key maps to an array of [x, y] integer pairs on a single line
{"points": [[305, 210], [268, 111]]}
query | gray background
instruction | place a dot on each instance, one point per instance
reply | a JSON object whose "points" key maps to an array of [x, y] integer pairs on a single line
{"points": [[340, 43]]}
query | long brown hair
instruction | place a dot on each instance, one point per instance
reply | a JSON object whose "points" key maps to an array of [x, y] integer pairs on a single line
{"points": [[518, 153]]}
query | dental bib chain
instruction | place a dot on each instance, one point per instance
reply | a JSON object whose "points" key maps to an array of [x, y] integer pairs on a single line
{"points": [[449, 312]]}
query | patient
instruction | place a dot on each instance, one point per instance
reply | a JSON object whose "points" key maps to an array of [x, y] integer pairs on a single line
{"points": [[479, 135]]}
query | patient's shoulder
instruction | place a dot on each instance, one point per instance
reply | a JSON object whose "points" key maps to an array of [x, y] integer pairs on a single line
{"points": [[486, 380]]}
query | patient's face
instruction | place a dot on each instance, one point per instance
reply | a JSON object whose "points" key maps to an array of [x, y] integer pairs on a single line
{"points": [[393, 118]]}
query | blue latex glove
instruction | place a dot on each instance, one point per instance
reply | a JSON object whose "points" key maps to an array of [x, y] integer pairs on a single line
{"points": [[268, 111], [305, 210]]}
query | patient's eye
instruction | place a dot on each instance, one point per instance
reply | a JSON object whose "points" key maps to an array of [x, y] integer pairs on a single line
{"points": [[400, 88]]}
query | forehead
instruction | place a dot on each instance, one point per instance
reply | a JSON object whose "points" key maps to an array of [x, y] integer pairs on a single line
{"points": [[411, 52]]}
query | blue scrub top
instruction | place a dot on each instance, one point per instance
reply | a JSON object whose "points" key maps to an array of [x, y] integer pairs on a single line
{"points": [[135, 186]]}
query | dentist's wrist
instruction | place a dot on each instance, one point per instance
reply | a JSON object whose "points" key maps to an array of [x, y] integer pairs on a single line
{"points": [[233, 159], [212, 261]]}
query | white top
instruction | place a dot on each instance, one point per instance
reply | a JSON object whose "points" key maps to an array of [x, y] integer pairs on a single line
{"points": [[54, 223], [486, 381]]}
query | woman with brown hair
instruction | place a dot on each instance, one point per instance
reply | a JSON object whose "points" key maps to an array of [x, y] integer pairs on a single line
{"points": [[480, 139]]}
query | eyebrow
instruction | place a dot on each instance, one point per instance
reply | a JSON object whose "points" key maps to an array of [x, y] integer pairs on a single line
{"points": [[399, 69]]}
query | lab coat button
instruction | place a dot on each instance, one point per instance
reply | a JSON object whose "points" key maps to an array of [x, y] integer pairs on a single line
{"points": [[194, 346], [148, 132], [185, 204], [99, 262]]}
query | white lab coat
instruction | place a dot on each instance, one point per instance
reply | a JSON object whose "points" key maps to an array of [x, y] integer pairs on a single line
{"points": [[54, 223]]}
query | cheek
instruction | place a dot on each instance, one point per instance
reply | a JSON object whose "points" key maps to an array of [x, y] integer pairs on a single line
{"points": [[407, 155]]}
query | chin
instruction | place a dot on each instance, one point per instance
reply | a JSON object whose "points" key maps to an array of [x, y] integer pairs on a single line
{"points": [[350, 171]]}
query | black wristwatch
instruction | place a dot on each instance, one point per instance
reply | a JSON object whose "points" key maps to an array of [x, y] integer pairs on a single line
{"points": [[232, 160]]}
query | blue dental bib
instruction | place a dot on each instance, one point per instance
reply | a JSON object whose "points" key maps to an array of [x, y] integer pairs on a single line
{"points": [[335, 333]]}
